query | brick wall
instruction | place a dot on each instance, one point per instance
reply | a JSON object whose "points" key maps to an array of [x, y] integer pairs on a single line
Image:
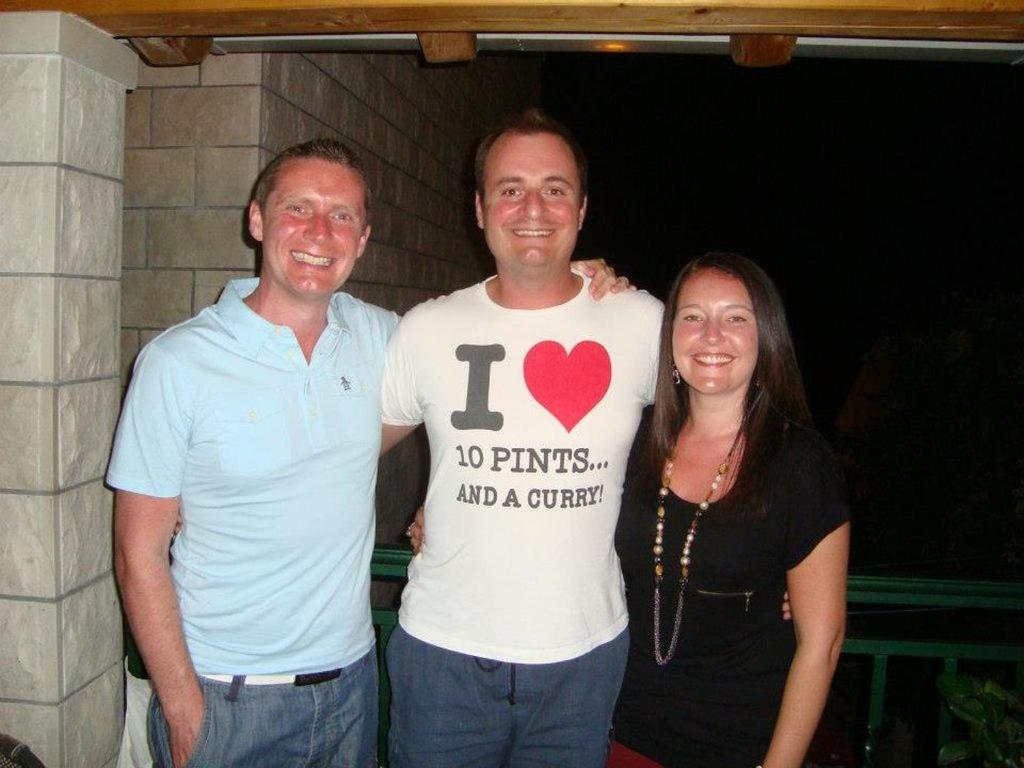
{"points": [[191, 155], [62, 92], [196, 137]]}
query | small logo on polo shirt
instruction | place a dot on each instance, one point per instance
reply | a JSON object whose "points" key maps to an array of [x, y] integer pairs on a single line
{"points": [[345, 384]]}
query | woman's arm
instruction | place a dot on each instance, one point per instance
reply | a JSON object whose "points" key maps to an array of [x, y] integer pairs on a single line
{"points": [[817, 594]]}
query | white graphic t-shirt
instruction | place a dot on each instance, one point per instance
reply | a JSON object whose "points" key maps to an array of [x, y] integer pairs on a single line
{"points": [[530, 416]]}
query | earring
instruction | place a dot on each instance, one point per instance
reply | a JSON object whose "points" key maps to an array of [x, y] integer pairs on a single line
{"points": [[676, 378]]}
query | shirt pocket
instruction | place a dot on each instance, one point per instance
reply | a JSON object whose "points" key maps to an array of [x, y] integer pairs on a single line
{"points": [[351, 402], [252, 432]]}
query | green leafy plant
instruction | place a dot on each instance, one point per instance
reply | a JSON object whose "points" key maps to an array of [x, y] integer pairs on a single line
{"points": [[995, 717]]}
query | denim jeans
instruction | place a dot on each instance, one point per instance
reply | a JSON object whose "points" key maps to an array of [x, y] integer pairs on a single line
{"points": [[449, 709], [328, 725]]}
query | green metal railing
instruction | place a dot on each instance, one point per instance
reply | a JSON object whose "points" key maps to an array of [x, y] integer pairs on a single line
{"points": [[926, 593], [389, 564]]}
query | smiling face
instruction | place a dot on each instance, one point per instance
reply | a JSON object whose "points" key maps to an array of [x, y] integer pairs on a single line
{"points": [[714, 335], [532, 207], [313, 228]]}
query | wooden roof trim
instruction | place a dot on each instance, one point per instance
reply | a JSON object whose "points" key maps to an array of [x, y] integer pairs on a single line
{"points": [[446, 47], [761, 50], [925, 19], [172, 51]]}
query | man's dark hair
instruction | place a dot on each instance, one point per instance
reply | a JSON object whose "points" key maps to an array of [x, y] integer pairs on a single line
{"points": [[331, 150], [528, 123]]}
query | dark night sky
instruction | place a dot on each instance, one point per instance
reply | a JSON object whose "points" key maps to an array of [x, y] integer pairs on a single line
{"points": [[860, 186]]}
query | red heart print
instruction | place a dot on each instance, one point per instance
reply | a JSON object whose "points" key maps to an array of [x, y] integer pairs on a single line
{"points": [[567, 385]]}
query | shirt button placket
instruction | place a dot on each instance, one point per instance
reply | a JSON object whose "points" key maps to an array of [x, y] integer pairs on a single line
{"points": [[316, 424]]}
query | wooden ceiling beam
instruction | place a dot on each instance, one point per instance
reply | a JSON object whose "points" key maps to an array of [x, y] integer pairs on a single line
{"points": [[447, 47], [762, 50], [924, 19], [172, 51]]}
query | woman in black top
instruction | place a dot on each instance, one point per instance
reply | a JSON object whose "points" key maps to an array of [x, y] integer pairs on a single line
{"points": [[735, 500]]}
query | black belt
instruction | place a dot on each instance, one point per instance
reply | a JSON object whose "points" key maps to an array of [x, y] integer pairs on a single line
{"points": [[315, 678], [310, 678]]}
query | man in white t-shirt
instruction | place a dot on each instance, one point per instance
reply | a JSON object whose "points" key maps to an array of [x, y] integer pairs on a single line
{"points": [[512, 637]]}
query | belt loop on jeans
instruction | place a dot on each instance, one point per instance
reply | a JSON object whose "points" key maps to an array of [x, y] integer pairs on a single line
{"points": [[236, 685]]}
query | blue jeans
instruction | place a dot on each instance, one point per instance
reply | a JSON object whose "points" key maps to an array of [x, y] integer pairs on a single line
{"points": [[451, 710], [328, 725]]}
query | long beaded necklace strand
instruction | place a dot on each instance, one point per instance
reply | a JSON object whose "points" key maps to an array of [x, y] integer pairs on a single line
{"points": [[684, 560]]}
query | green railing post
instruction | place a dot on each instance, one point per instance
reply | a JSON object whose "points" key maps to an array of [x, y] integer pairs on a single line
{"points": [[949, 666], [383, 690], [388, 564], [876, 708]]}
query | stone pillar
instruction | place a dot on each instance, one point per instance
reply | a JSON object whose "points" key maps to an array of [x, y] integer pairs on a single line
{"points": [[62, 87]]}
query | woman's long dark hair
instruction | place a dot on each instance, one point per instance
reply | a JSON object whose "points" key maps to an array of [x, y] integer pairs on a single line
{"points": [[774, 399]]}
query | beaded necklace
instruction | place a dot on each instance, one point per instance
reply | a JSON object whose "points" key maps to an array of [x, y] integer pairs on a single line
{"points": [[684, 560]]}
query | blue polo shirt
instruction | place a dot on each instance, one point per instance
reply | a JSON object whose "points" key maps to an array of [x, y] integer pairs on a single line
{"points": [[274, 460]]}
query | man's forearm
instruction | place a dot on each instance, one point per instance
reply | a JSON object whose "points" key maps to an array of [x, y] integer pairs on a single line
{"points": [[151, 605]]}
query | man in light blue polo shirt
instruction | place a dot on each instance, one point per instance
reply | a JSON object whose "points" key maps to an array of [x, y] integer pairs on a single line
{"points": [[257, 423]]}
